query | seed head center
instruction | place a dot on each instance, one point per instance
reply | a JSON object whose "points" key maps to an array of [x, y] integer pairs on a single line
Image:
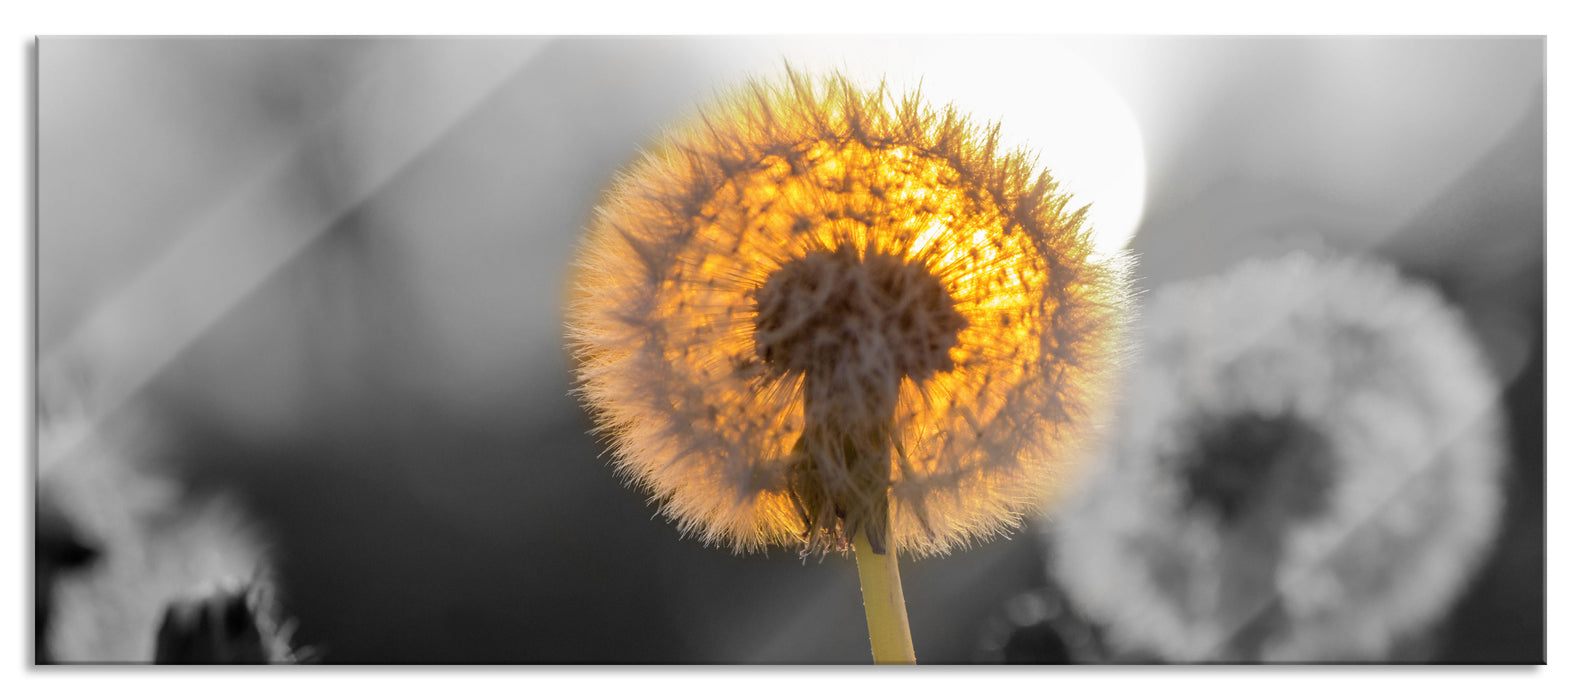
{"points": [[838, 312]]}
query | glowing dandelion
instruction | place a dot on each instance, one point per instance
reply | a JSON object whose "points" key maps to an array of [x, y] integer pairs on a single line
{"points": [[1306, 468], [820, 315]]}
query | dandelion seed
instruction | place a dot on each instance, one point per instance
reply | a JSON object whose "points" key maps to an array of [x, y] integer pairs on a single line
{"points": [[818, 312], [1305, 468]]}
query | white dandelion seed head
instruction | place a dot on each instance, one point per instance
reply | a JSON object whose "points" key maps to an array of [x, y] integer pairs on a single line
{"points": [[1305, 466], [156, 544]]}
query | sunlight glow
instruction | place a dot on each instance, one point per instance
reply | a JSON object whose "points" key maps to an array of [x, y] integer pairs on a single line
{"points": [[1046, 99]]}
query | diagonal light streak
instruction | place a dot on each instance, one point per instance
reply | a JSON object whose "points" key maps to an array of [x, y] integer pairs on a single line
{"points": [[1431, 466], [235, 247]]}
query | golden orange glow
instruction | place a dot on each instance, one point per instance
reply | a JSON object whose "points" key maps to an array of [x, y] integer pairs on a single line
{"points": [[665, 320]]}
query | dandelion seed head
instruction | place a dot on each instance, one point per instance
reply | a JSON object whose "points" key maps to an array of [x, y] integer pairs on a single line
{"points": [[155, 540], [1304, 466], [228, 622], [806, 256]]}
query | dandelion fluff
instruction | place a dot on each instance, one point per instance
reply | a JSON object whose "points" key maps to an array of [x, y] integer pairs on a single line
{"points": [[811, 274], [1306, 467], [156, 544], [234, 623]]}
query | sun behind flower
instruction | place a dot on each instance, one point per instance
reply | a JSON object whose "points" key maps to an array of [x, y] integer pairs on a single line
{"points": [[818, 310]]}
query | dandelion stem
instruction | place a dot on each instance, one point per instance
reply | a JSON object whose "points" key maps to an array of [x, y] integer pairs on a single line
{"points": [[888, 630]]}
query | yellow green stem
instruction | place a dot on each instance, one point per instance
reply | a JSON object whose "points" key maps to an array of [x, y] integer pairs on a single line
{"points": [[888, 630]]}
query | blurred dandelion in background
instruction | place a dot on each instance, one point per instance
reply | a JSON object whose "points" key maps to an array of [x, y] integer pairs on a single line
{"points": [[817, 274], [1307, 467], [234, 623], [119, 541]]}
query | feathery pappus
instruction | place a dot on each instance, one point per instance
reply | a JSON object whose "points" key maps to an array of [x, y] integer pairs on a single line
{"points": [[817, 310], [1306, 466]]}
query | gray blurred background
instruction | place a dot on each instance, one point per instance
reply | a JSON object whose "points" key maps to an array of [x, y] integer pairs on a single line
{"points": [[325, 276]]}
